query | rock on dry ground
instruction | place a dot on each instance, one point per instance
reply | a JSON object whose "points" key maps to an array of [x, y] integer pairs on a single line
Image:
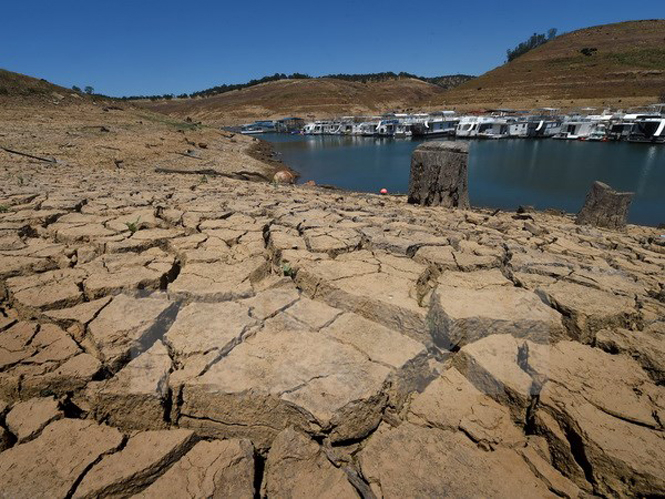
{"points": [[164, 336]]}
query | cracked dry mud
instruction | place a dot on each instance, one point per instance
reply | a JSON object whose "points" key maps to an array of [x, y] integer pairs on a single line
{"points": [[257, 340]]}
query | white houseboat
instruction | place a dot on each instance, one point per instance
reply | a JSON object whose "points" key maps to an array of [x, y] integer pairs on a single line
{"points": [[386, 128], [575, 129], [468, 126], [437, 125], [252, 129], [258, 127], [520, 129], [366, 129], [599, 133], [346, 126], [547, 128], [493, 129], [404, 131], [314, 128]]}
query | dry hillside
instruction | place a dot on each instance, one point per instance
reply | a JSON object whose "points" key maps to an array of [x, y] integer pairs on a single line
{"points": [[626, 68], [76, 130], [323, 97]]}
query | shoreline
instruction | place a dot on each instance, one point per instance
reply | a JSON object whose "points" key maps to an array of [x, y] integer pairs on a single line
{"points": [[270, 146], [263, 151]]}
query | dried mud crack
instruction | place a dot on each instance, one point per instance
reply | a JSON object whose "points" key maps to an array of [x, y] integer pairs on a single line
{"points": [[243, 340]]}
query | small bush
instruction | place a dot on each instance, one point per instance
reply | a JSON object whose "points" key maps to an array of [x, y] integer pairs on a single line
{"points": [[133, 226], [4, 208], [589, 51], [287, 270]]}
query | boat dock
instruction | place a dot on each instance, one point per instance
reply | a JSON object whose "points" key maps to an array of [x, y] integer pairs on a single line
{"points": [[644, 126]]}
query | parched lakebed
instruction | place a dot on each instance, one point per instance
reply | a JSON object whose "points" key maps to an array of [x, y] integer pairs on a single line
{"points": [[164, 334]]}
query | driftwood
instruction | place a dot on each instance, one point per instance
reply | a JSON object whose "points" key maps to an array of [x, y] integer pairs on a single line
{"points": [[239, 175], [47, 160], [189, 156]]}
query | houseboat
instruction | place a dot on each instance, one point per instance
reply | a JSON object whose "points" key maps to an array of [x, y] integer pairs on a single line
{"points": [[547, 128], [520, 129], [387, 128], [319, 128], [258, 127], [468, 126], [289, 125], [346, 125], [599, 133], [619, 131], [366, 128], [313, 128], [436, 126], [251, 129], [575, 129], [648, 130], [403, 131], [493, 129]]}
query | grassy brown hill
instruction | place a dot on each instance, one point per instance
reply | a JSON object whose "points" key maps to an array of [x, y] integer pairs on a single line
{"points": [[625, 67], [619, 65], [320, 97], [20, 86], [70, 131]]}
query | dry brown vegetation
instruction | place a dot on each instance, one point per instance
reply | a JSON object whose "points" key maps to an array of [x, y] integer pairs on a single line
{"points": [[319, 98], [625, 66], [78, 130]]}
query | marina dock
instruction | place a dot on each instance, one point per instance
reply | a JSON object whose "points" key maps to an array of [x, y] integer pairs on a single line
{"points": [[643, 126]]}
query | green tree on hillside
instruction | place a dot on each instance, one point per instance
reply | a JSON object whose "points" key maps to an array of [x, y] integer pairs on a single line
{"points": [[536, 40], [89, 90]]}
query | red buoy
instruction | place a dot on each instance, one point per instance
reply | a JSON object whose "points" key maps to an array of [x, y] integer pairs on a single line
{"points": [[384, 191]]}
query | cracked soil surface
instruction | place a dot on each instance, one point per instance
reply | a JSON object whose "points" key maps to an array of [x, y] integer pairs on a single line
{"points": [[161, 336]]}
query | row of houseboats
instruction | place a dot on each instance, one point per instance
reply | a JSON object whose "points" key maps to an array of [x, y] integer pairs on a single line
{"points": [[646, 126]]}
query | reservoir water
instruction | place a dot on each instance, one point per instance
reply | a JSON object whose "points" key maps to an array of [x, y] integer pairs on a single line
{"points": [[502, 173]]}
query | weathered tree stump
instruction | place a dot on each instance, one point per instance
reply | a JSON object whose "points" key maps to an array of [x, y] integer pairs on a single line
{"points": [[605, 207], [439, 175]]}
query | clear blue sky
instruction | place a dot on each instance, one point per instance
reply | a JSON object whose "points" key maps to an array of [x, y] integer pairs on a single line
{"points": [[125, 47]]}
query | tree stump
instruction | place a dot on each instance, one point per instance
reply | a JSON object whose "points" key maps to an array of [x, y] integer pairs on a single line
{"points": [[439, 175], [605, 207]]}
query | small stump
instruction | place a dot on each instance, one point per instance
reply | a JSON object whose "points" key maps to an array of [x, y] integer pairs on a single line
{"points": [[605, 207], [439, 175]]}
